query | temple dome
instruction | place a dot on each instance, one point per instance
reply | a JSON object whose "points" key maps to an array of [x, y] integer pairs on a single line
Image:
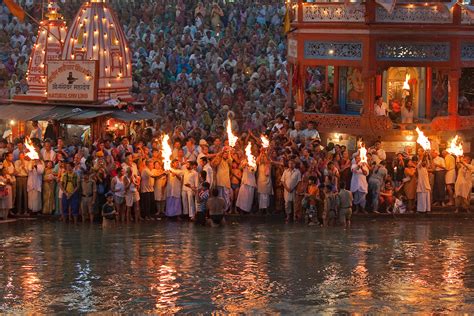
{"points": [[48, 46], [96, 34]]}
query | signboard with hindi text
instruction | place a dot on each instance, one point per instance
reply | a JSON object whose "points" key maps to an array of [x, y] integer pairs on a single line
{"points": [[72, 80]]}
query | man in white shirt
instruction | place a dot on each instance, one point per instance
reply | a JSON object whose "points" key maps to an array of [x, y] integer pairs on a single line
{"points": [[290, 179], [47, 152], [208, 39], [378, 153], [439, 181], [147, 191], [190, 185], [380, 107], [295, 133], [129, 164], [36, 132], [359, 185], [407, 113], [310, 133], [205, 166]]}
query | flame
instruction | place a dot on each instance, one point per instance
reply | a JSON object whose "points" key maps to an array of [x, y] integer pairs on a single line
{"points": [[265, 141], [423, 140], [250, 158], [363, 154], [455, 147], [232, 138], [406, 86], [32, 153], [166, 152]]}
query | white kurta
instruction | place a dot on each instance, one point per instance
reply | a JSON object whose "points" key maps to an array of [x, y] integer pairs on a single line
{"points": [[264, 177], [290, 178], [160, 189], [359, 179], [451, 169], [34, 186], [247, 189], [463, 185], [209, 174], [174, 185], [423, 190]]}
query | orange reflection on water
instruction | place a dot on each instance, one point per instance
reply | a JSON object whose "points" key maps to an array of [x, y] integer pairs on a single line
{"points": [[30, 283], [243, 283], [454, 266], [167, 288]]}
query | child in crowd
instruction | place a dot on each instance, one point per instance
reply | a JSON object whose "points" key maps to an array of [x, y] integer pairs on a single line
{"points": [[399, 206], [344, 205], [108, 211], [88, 191], [330, 206], [386, 197], [203, 196], [311, 200], [216, 207]]}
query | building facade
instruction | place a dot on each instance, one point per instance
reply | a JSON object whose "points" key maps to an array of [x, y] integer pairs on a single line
{"points": [[343, 55]]}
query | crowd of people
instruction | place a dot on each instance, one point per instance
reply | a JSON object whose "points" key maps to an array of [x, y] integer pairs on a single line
{"points": [[196, 65], [293, 175], [192, 61]]}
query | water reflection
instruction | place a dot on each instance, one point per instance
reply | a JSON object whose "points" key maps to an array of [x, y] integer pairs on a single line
{"points": [[243, 268]]}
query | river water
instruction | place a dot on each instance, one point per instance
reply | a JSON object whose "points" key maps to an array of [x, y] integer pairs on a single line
{"points": [[382, 267]]}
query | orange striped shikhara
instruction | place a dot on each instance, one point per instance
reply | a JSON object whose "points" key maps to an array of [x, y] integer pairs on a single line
{"points": [[96, 34]]}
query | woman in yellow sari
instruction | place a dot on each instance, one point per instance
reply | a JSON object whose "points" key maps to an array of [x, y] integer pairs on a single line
{"points": [[49, 189]]}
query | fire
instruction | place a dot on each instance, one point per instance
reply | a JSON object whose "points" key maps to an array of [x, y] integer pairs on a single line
{"points": [[32, 153], [406, 86], [423, 140], [455, 147], [363, 154], [166, 152], [250, 158], [232, 138], [265, 141]]}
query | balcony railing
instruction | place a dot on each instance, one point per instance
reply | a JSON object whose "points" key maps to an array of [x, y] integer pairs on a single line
{"points": [[333, 12], [403, 13]]}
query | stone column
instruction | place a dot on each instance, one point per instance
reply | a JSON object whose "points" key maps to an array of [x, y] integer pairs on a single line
{"points": [[453, 91]]}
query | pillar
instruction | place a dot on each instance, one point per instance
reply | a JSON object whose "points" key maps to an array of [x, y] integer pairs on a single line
{"points": [[299, 86], [453, 91], [378, 85], [369, 92], [429, 89], [335, 92]]}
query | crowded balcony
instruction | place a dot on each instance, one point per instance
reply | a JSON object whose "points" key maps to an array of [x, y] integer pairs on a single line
{"points": [[410, 97]]}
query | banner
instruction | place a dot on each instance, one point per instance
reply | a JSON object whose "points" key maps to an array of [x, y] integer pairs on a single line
{"points": [[388, 5], [72, 80]]}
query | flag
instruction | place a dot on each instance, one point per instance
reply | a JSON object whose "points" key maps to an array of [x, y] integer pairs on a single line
{"points": [[388, 5], [15, 9], [286, 21]]}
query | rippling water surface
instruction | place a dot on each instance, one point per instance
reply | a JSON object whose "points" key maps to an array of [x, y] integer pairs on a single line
{"points": [[266, 268]]}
